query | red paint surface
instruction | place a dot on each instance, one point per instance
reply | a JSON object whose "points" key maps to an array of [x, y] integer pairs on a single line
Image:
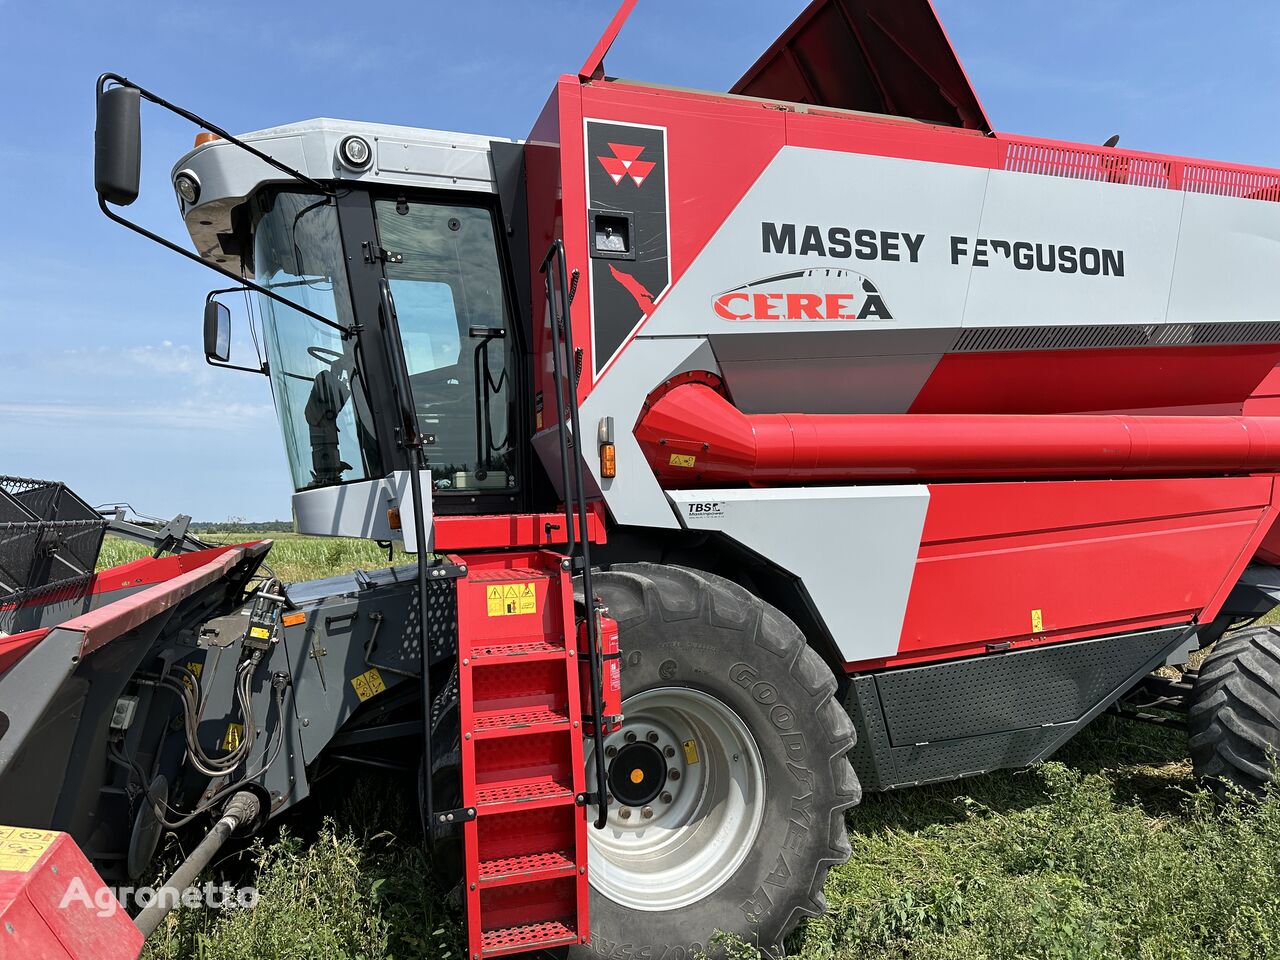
{"points": [[1082, 381], [693, 436], [1094, 557], [35, 926]]}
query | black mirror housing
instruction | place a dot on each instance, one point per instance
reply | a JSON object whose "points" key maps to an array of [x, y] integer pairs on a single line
{"points": [[217, 331], [117, 142]]}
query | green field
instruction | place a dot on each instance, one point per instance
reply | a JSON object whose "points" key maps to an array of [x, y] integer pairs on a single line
{"points": [[1109, 851]]}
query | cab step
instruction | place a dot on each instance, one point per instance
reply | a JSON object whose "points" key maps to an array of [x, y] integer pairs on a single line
{"points": [[522, 755], [526, 937]]}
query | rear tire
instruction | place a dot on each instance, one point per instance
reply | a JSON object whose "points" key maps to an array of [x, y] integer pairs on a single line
{"points": [[683, 630], [1234, 718]]}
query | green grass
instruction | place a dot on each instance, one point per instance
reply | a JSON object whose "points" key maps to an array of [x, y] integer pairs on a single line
{"points": [[292, 557], [1109, 851]]}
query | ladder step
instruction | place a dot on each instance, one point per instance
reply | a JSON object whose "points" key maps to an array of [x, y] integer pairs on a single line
{"points": [[537, 866], [517, 722], [530, 650], [522, 795], [529, 936]]}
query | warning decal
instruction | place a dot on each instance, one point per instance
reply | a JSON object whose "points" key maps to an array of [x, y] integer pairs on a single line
{"points": [[511, 599], [368, 684], [21, 848], [233, 737]]}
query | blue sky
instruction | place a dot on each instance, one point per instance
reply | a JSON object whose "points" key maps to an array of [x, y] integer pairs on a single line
{"points": [[102, 381]]}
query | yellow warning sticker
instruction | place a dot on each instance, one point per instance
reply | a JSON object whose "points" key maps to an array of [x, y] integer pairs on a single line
{"points": [[231, 739], [1037, 621], [511, 599], [368, 684], [195, 668], [682, 460], [260, 633], [690, 751], [21, 848]]}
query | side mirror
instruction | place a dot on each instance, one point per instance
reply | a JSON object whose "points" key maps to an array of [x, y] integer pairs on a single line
{"points": [[117, 145], [217, 331]]}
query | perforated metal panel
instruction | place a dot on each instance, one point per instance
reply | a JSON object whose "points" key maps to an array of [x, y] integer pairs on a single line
{"points": [[1003, 710], [1103, 336]]}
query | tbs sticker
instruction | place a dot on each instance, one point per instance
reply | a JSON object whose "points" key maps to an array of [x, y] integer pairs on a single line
{"points": [[705, 511]]}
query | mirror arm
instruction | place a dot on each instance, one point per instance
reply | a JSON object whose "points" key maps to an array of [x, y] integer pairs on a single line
{"points": [[206, 125], [346, 332], [231, 366]]}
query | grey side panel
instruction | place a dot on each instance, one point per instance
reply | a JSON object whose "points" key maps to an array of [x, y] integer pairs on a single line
{"points": [[345, 635], [357, 509], [39, 718], [838, 371], [633, 496], [1003, 710], [853, 549]]}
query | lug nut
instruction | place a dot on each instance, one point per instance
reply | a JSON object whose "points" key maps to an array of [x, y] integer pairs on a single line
{"points": [[668, 752], [647, 813], [611, 752], [653, 736], [625, 813], [630, 737], [673, 775], [666, 797]]}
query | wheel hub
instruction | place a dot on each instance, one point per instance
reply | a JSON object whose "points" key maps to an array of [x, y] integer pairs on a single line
{"points": [[637, 773]]}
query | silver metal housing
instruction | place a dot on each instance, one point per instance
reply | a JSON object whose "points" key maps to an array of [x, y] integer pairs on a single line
{"points": [[402, 156]]}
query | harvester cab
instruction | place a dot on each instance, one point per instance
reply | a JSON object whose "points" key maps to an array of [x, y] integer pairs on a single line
{"points": [[755, 447]]}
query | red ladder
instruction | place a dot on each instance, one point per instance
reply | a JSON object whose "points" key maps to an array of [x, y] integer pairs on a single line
{"points": [[522, 756]]}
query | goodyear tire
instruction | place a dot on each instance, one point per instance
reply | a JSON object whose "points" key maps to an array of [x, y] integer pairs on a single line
{"points": [[723, 687], [1234, 717]]}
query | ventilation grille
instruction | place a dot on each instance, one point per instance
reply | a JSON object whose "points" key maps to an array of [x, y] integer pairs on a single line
{"points": [[1072, 162], [994, 339]]}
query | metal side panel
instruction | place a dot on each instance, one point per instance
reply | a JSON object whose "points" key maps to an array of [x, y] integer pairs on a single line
{"points": [[352, 648], [633, 496], [40, 707], [1003, 710], [853, 549], [358, 509]]}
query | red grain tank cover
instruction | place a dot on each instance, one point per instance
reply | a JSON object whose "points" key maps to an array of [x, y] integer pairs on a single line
{"points": [[879, 56]]}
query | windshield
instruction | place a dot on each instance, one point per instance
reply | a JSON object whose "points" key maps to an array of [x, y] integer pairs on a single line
{"points": [[445, 277], [322, 405]]}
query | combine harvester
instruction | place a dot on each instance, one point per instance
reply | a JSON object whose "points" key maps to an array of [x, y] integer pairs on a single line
{"points": [[724, 427]]}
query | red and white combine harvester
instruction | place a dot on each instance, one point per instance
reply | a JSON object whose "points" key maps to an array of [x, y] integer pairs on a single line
{"points": [[757, 449]]}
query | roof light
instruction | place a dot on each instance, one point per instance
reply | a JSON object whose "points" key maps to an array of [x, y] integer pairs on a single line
{"points": [[188, 187], [355, 153], [204, 136]]}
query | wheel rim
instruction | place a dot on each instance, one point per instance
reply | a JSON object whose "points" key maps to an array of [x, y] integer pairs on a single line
{"points": [[704, 819]]}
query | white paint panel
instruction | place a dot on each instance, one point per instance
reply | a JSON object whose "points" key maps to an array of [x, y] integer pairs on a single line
{"points": [[854, 548], [807, 186], [1228, 261], [1141, 221]]}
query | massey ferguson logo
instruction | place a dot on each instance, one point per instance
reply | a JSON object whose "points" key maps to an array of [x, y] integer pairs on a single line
{"points": [[626, 162], [816, 294]]}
